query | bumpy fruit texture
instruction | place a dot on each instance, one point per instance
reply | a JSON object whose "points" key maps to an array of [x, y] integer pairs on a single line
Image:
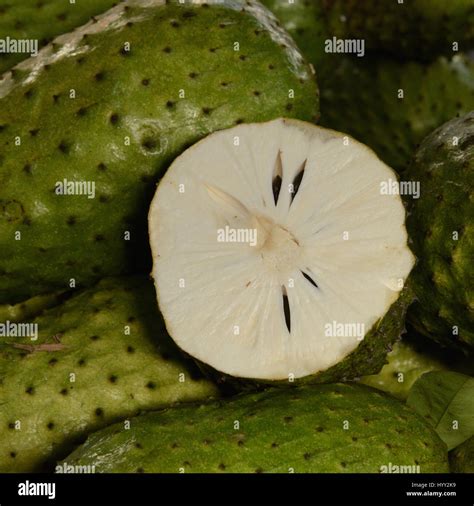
{"points": [[392, 106], [305, 21], [441, 227], [114, 107], [30, 308], [322, 429], [461, 459], [42, 21], [101, 357], [417, 29], [411, 358]]}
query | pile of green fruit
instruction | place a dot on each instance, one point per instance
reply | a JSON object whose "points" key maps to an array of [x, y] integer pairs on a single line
{"points": [[311, 307]]}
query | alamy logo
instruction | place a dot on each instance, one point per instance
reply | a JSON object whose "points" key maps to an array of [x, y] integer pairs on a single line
{"points": [[336, 329], [396, 469], [242, 235], [346, 46], [393, 187], [11, 329], [66, 187], [66, 468], [27, 488], [9, 45]]}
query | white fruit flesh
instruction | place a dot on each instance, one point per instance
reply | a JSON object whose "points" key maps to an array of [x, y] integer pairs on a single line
{"points": [[325, 247]]}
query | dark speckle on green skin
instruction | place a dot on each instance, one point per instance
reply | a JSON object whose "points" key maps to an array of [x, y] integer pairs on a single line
{"points": [[122, 134], [440, 225], [111, 372], [269, 443]]}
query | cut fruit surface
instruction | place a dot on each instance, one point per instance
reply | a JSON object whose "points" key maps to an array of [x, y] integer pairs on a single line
{"points": [[276, 250]]}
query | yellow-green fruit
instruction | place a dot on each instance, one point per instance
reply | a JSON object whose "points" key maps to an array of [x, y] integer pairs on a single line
{"points": [[339, 428], [102, 356]]}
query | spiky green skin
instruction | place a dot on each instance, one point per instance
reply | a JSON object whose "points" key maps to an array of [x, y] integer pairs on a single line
{"points": [[461, 458], [30, 308], [305, 21], [43, 20], [411, 358], [442, 231], [360, 97], [128, 95], [278, 430], [122, 360], [368, 358], [415, 29]]}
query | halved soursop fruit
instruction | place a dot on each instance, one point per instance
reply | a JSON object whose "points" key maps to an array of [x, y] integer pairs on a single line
{"points": [[89, 125], [338, 428], [441, 228], [277, 254], [42, 20], [101, 357]]}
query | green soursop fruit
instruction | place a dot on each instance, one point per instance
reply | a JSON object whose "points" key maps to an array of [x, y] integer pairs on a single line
{"points": [[89, 125], [392, 106], [461, 459], [305, 21], [416, 29], [41, 21], [102, 356], [31, 307], [411, 358], [441, 229], [325, 429], [285, 251]]}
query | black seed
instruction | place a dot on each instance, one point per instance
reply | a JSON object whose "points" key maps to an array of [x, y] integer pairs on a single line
{"points": [[277, 178], [297, 180], [310, 279], [286, 308]]}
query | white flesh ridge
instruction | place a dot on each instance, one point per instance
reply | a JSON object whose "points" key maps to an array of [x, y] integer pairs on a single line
{"points": [[330, 249]]}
